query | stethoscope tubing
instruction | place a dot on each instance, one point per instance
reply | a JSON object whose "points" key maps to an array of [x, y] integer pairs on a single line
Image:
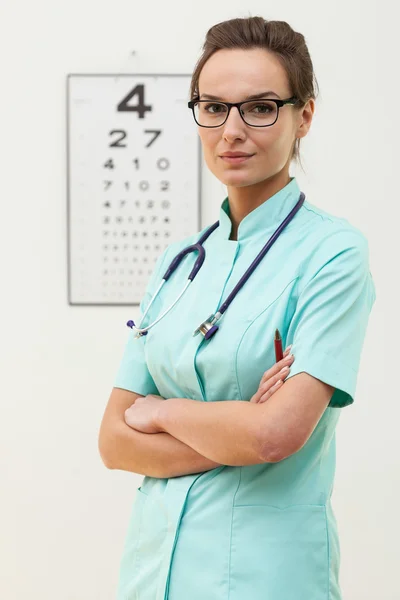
{"points": [[164, 313], [198, 247], [261, 255]]}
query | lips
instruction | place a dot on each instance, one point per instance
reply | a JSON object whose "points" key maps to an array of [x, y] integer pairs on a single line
{"points": [[235, 154], [236, 159]]}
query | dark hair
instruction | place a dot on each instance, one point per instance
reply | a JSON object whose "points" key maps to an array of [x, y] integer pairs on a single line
{"points": [[275, 36]]}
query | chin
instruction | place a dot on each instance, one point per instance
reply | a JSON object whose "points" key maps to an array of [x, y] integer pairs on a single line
{"points": [[235, 178]]}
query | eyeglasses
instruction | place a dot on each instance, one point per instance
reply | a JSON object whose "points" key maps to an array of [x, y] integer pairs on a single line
{"points": [[256, 113]]}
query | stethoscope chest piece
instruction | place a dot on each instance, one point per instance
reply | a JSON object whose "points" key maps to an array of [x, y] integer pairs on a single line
{"points": [[208, 327]]}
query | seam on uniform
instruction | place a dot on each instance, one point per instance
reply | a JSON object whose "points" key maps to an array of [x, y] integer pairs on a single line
{"points": [[347, 227], [247, 328], [230, 538], [329, 556], [136, 562], [282, 507], [322, 217], [303, 265]]}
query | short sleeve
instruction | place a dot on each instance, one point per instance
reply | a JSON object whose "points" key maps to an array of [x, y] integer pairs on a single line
{"points": [[329, 325], [133, 374]]}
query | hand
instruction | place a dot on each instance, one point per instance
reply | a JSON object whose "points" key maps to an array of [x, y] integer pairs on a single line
{"points": [[142, 414], [268, 384]]}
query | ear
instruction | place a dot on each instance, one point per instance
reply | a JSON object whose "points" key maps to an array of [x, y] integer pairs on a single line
{"points": [[305, 118]]}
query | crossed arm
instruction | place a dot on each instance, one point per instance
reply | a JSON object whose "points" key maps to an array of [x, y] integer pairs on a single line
{"points": [[155, 455], [199, 436]]}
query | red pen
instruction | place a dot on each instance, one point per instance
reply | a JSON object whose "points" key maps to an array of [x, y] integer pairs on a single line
{"points": [[278, 346]]}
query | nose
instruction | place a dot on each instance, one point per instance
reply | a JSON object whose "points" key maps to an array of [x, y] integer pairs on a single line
{"points": [[234, 126]]}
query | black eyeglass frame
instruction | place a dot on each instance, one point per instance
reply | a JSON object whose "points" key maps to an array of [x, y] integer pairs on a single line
{"points": [[293, 100]]}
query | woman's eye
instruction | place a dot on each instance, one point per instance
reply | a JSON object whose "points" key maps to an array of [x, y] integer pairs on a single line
{"points": [[214, 108], [263, 108]]}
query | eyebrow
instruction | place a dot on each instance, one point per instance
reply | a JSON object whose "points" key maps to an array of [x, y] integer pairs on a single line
{"points": [[252, 97]]}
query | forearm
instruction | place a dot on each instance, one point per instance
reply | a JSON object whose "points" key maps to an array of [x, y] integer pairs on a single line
{"points": [[225, 431], [155, 455]]}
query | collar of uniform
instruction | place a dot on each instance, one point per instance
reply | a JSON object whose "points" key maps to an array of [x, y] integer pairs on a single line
{"points": [[268, 215]]}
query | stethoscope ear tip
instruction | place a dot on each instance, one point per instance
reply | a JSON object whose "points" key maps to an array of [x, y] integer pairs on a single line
{"points": [[131, 324]]}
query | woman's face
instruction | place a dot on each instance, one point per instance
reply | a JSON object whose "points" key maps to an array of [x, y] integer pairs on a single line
{"points": [[233, 75]]}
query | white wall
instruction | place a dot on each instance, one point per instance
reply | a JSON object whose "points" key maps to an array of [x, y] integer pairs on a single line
{"points": [[63, 514]]}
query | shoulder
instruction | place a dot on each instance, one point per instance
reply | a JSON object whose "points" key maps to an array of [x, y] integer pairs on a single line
{"points": [[327, 236], [325, 224]]}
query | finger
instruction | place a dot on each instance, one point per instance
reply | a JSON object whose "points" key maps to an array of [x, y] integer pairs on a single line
{"points": [[254, 399], [271, 391], [277, 367], [270, 383], [275, 384], [273, 371]]}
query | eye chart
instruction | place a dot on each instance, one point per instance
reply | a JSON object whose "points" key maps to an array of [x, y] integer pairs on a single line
{"points": [[133, 181]]}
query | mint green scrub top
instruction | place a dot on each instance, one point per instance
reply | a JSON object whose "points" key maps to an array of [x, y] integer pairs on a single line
{"points": [[264, 531]]}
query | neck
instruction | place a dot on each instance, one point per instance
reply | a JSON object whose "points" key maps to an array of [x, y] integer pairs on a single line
{"points": [[243, 200]]}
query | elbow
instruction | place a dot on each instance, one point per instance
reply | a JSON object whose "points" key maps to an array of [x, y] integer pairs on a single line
{"points": [[105, 445], [110, 443], [104, 455], [117, 452], [271, 456], [273, 451], [268, 456], [106, 462]]}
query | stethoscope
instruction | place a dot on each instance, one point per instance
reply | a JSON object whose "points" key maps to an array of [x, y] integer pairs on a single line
{"points": [[208, 328]]}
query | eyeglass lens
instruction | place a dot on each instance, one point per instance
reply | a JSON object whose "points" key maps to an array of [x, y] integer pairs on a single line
{"points": [[254, 112]]}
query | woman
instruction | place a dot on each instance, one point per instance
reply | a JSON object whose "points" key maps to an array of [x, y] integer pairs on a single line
{"points": [[236, 501]]}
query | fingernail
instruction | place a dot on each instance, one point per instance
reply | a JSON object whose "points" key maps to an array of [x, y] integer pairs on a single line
{"points": [[288, 348]]}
